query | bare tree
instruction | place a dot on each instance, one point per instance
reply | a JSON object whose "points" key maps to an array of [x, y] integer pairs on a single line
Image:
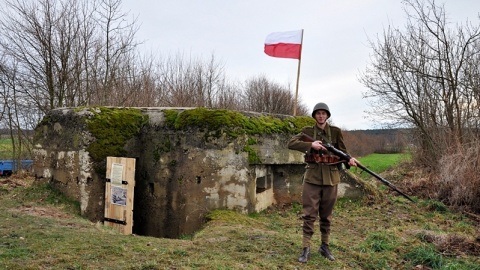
{"points": [[115, 53], [262, 95], [38, 37], [190, 82], [181, 82], [426, 77], [227, 96], [141, 83], [55, 54], [70, 52], [17, 115]]}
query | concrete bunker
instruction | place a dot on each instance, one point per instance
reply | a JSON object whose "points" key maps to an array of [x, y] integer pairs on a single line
{"points": [[189, 161]]}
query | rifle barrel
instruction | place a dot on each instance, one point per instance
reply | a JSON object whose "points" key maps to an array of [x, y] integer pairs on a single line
{"points": [[383, 180], [346, 158]]}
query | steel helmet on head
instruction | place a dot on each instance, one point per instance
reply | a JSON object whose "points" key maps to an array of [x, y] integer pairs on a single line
{"points": [[321, 106]]}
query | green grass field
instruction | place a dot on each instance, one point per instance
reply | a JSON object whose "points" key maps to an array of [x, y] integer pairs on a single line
{"points": [[6, 150], [381, 162]]}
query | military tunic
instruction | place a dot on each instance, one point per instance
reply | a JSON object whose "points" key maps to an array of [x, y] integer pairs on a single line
{"points": [[319, 173]]}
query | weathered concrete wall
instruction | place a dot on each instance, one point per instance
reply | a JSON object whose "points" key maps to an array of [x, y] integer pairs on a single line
{"points": [[182, 172], [60, 155]]}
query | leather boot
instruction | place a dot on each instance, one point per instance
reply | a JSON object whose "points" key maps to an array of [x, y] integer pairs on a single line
{"points": [[326, 252], [305, 255]]}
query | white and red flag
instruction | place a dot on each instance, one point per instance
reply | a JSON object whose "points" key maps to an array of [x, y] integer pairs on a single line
{"points": [[284, 44]]}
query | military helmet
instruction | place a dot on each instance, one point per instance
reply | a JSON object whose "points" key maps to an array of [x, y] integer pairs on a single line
{"points": [[321, 106]]}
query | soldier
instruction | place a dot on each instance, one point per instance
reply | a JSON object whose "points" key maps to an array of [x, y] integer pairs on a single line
{"points": [[321, 178]]}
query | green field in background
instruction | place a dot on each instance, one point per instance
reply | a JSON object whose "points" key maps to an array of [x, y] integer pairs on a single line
{"points": [[382, 162], [6, 150]]}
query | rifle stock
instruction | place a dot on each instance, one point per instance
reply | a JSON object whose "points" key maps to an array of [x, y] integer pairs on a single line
{"points": [[347, 157]]}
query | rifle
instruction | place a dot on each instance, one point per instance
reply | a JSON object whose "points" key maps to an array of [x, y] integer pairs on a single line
{"points": [[346, 158]]}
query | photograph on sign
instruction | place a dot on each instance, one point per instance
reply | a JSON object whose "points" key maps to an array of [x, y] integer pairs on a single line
{"points": [[119, 196], [116, 175]]}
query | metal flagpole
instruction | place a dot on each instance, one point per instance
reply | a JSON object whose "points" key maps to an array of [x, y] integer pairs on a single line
{"points": [[298, 77]]}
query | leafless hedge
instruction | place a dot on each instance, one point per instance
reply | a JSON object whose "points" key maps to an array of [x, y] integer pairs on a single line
{"points": [[362, 142], [458, 183]]}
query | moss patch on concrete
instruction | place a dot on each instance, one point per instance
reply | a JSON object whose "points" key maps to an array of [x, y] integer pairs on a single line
{"points": [[235, 123], [217, 122], [253, 157], [112, 128], [170, 117], [208, 119], [164, 146]]}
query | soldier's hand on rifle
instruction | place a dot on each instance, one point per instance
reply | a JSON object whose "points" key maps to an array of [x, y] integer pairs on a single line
{"points": [[317, 145], [352, 162]]}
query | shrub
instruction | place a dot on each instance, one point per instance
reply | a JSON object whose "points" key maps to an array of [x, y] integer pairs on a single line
{"points": [[458, 181]]}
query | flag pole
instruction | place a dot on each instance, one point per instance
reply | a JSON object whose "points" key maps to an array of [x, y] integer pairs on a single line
{"points": [[298, 78]]}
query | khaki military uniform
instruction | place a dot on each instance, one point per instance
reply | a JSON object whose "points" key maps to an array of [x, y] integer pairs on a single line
{"points": [[320, 181]]}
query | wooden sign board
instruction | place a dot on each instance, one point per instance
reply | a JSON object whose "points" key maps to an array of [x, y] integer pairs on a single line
{"points": [[119, 193]]}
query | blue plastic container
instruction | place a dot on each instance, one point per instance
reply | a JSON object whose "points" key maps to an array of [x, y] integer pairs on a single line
{"points": [[7, 167]]}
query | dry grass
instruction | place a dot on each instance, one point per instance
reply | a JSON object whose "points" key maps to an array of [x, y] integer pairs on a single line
{"points": [[458, 179], [452, 244], [455, 182]]}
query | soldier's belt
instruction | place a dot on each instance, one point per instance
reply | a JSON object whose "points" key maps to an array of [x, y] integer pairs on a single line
{"points": [[323, 159]]}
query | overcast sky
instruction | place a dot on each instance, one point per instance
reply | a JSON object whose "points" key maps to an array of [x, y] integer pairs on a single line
{"points": [[335, 42]]}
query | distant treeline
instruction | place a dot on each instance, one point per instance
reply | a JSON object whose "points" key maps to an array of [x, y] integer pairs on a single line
{"points": [[381, 141]]}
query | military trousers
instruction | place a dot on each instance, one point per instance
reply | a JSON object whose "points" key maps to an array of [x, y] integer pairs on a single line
{"points": [[318, 201]]}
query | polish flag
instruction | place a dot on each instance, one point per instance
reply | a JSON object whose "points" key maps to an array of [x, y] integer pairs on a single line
{"points": [[284, 44]]}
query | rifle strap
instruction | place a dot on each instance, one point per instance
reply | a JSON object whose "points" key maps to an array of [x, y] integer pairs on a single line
{"points": [[327, 139]]}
